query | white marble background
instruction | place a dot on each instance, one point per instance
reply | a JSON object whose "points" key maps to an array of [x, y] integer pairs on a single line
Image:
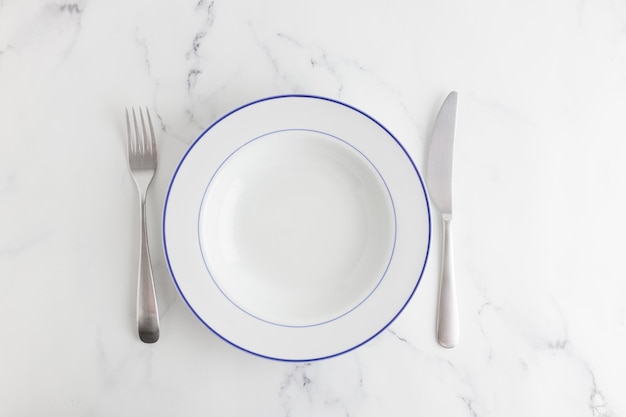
{"points": [[540, 201]]}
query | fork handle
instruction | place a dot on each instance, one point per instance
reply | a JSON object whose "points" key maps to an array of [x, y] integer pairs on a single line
{"points": [[147, 311], [448, 315]]}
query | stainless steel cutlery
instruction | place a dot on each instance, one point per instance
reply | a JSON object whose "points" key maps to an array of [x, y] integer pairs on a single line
{"points": [[142, 160], [439, 180]]}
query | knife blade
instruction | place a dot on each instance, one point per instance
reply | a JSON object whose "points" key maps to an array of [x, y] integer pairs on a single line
{"points": [[439, 181]]}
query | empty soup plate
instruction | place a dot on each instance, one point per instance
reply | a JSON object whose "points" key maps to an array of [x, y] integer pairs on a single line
{"points": [[296, 228]]}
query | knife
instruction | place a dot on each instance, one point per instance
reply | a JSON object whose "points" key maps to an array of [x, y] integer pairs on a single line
{"points": [[439, 180]]}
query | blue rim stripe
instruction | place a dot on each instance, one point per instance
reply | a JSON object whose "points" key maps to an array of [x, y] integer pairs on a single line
{"points": [[421, 275]]}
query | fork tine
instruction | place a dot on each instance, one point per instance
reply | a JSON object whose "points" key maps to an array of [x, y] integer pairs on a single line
{"points": [[144, 137], [152, 139], [137, 140], [129, 141]]}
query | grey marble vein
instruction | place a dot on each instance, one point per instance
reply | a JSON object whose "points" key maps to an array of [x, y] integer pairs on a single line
{"points": [[192, 78], [145, 50], [469, 403], [597, 402], [71, 8]]}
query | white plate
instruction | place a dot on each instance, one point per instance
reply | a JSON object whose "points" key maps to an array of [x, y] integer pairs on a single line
{"points": [[296, 228]]}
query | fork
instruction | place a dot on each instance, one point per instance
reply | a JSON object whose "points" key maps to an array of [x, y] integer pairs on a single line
{"points": [[142, 159]]}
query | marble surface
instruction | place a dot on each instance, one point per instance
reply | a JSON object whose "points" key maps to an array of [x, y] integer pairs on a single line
{"points": [[539, 201]]}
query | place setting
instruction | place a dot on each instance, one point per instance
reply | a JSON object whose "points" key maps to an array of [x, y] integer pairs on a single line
{"points": [[297, 227]]}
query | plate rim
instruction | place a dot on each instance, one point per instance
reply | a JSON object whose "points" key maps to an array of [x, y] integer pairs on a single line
{"points": [[315, 97]]}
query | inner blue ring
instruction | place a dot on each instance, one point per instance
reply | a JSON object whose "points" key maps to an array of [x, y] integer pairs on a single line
{"points": [[394, 228]]}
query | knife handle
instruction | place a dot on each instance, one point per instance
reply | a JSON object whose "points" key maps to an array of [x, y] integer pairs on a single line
{"points": [[448, 314]]}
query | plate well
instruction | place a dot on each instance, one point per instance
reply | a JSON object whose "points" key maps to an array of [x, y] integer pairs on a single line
{"points": [[296, 227]]}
